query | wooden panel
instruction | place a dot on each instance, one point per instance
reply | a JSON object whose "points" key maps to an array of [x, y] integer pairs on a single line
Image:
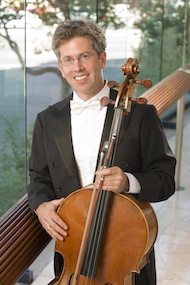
{"points": [[168, 91], [22, 240]]}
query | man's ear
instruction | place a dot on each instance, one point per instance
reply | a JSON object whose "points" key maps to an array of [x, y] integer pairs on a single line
{"points": [[61, 69], [103, 59]]}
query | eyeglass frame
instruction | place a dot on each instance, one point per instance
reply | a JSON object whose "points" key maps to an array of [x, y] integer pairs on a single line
{"points": [[77, 58]]}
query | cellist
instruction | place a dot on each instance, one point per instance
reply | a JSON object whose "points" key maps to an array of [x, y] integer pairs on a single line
{"points": [[68, 136]]}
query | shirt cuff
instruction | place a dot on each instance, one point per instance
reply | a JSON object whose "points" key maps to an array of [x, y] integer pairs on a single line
{"points": [[134, 185]]}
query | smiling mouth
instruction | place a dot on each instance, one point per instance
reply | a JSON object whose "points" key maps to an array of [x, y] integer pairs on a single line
{"points": [[78, 78]]}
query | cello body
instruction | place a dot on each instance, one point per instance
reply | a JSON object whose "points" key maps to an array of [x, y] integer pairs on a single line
{"points": [[128, 237]]}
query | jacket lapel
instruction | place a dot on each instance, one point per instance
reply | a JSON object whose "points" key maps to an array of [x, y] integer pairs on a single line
{"points": [[63, 140]]}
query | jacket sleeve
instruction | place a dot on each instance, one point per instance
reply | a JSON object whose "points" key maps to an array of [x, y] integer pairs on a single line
{"points": [[157, 160], [144, 152], [40, 188]]}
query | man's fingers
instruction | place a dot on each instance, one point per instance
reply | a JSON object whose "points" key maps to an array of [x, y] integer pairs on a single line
{"points": [[57, 234], [58, 202], [50, 220]]}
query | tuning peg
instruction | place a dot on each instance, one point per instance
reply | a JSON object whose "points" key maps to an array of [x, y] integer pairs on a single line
{"points": [[140, 100], [112, 84], [146, 83]]}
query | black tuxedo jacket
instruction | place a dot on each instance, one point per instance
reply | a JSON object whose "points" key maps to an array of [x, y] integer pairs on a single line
{"points": [[142, 150]]}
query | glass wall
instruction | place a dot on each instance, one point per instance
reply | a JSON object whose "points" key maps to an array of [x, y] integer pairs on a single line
{"points": [[12, 106], [155, 32]]}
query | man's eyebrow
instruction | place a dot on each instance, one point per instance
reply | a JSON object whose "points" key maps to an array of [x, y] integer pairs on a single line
{"points": [[78, 55]]}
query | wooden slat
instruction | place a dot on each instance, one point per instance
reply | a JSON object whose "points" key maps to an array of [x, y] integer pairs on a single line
{"points": [[22, 240], [168, 91]]}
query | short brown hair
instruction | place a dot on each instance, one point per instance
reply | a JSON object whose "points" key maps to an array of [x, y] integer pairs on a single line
{"points": [[79, 28]]}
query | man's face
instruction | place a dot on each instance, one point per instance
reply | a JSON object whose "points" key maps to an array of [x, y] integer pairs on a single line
{"points": [[85, 78]]}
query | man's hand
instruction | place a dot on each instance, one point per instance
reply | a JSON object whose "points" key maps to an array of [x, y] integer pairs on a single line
{"points": [[50, 220], [114, 179]]}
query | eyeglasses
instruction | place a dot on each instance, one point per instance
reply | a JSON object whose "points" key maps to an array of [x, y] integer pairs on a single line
{"points": [[84, 57]]}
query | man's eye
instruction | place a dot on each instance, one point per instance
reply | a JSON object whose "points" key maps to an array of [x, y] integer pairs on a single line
{"points": [[67, 60], [85, 56]]}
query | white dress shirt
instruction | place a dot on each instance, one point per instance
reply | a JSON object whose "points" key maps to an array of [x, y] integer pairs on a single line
{"points": [[86, 130]]}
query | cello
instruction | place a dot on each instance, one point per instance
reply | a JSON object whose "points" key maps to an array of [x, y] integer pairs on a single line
{"points": [[114, 233]]}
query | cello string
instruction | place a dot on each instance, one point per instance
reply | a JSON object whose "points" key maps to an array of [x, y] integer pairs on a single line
{"points": [[102, 156], [89, 263], [80, 260], [98, 230], [94, 249], [85, 270], [89, 253]]}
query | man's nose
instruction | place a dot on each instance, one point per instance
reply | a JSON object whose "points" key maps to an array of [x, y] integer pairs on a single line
{"points": [[77, 64]]}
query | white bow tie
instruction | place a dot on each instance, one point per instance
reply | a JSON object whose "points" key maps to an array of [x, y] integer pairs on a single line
{"points": [[78, 106]]}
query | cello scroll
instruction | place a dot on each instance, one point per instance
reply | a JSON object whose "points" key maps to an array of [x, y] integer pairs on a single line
{"points": [[131, 70]]}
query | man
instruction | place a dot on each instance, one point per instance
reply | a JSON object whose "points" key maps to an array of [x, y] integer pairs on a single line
{"points": [[67, 139]]}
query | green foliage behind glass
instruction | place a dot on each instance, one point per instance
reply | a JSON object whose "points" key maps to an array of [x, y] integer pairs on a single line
{"points": [[12, 164], [165, 39]]}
